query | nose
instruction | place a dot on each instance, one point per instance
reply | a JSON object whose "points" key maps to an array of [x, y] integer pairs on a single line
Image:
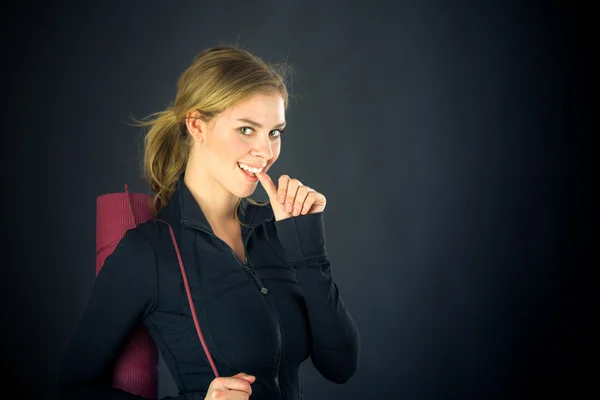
{"points": [[263, 148]]}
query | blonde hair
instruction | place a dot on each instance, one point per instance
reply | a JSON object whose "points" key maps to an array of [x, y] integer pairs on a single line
{"points": [[218, 78]]}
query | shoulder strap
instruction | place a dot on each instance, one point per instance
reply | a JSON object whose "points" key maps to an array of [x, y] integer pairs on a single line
{"points": [[186, 284]]}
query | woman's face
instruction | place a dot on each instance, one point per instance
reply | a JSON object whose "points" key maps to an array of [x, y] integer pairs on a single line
{"points": [[244, 136]]}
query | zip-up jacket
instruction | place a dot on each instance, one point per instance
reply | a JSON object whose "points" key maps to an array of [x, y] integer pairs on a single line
{"points": [[264, 316]]}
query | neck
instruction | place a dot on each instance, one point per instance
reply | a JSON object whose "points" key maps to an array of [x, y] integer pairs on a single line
{"points": [[217, 204]]}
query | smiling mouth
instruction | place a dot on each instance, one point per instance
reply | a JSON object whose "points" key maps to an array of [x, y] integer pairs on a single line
{"points": [[250, 171], [249, 174]]}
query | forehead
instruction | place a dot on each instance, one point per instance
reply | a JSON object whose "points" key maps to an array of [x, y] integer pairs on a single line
{"points": [[267, 108]]}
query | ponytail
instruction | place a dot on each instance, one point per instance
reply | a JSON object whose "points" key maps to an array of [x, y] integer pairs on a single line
{"points": [[166, 149]]}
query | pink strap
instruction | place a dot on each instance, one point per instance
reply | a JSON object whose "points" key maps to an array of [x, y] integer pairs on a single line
{"points": [[186, 284]]}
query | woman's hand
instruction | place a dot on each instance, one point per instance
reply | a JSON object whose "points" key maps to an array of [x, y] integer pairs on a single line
{"points": [[292, 198], [235, 387]]}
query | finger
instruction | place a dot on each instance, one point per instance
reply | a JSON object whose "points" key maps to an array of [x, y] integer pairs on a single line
{"points": [[282, 189], [232, 383], [300, 199], [268, 185], [310, 200], [290, 196], [242, 375]]}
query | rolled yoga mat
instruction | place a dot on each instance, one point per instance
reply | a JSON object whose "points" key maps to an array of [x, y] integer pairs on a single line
{"points": [[136, 368]]}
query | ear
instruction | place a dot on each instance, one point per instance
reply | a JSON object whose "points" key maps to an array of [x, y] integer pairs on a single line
{"points": [[195, 126]]}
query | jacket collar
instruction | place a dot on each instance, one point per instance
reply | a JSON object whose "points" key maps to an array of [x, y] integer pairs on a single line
{"points": [[184, 207]]}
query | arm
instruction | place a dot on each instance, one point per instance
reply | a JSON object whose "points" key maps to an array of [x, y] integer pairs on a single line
{"points": [[336, 341], [122, 295]]}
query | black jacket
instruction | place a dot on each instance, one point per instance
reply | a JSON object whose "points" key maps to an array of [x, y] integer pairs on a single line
{"points": [[246, 330]]}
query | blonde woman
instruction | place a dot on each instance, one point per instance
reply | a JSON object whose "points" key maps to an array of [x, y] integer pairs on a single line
{"points": [[261, 279]]}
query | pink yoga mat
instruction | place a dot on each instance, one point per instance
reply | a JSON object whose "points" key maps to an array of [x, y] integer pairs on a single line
{"points": [[136, 369]]}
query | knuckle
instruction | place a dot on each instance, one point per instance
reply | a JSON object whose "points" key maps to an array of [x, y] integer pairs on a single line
{"points": [[219, 381]]}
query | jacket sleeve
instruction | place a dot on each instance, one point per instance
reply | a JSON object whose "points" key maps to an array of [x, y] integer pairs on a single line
{"points": [[335, 338], [122, 295]]}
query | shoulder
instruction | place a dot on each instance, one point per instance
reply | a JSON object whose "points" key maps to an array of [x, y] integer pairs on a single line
{"points": [[136, 251], [155, 231], [151, 239], [133, 249]]}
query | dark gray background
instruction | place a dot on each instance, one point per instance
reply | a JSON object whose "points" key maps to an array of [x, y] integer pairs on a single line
{"points": [[451, 138]]}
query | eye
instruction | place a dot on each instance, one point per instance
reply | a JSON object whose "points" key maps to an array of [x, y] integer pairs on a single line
{"points": [[245, 130], [276, 132]]}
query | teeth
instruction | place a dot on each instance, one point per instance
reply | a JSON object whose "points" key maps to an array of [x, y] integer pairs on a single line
{"points": [[247, 168]]}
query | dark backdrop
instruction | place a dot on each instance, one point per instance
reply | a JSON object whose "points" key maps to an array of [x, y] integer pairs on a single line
{"points": [[451, 138]]}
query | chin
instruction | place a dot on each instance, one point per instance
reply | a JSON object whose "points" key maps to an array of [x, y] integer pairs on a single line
{"points": [[244, 191]]}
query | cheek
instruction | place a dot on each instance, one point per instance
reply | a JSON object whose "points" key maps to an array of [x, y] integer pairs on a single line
{"points": [[231, 148], [276, 150]]}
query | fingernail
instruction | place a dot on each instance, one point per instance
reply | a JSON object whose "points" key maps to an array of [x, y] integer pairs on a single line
{"points": [[289, 208]]}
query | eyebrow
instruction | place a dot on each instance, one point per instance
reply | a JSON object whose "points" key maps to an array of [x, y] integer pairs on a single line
{"points": [[256, 124]]}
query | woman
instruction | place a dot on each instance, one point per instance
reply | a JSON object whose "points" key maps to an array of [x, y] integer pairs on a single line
{"points": [[259, 274]]}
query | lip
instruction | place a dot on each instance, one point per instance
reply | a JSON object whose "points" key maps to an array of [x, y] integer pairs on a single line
{"points": [[253, 165], [246, 177]]}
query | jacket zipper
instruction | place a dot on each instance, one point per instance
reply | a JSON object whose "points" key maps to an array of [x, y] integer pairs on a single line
{"points": [[264, 291], [277, 331]]}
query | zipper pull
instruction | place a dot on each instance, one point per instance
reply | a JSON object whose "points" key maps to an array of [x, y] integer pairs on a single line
{"points": [[264, 290]]}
